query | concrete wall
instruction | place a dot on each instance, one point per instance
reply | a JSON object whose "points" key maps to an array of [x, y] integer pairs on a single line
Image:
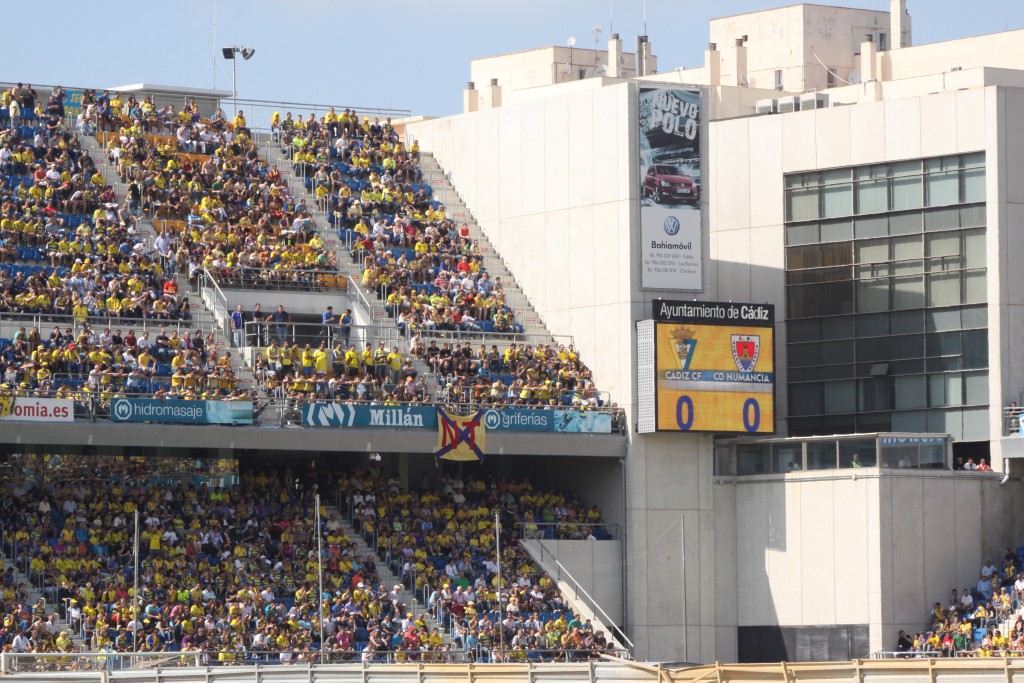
{"points": [[594, 566], [874, 548]]}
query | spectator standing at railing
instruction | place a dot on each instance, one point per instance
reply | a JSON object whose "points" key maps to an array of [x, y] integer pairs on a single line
{"points": [[258, 318], [281, 319], [330, 323], [238, 326]]}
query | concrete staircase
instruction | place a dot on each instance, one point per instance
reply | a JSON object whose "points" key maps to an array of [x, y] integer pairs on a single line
{"points": [[444, 191], [387, 577]]}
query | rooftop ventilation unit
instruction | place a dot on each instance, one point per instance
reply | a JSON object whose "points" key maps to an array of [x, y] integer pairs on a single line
{"points": [[788, 104], [814, 100], [766, 107]]}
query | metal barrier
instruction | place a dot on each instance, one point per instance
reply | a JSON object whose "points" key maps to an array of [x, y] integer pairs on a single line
{"points": [[1013, 420], [11, 323], [259, 335], [275, 279]]}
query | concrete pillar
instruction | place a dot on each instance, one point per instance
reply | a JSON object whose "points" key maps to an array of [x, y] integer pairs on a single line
{"points": [[868, 63], [614, 69], [470, 98], [713, 64], [494, 92], [899, 24], [741, 63]]}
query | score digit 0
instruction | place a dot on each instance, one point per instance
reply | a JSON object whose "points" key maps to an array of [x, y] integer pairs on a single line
{"points": [[751, 414]]}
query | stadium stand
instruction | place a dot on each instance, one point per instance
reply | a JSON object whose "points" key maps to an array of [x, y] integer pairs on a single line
{"points": [[229, 569]]}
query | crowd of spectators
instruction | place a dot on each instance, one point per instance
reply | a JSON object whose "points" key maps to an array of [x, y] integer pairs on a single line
{"points": [[974, 622], [441, 540], [98, 365], [222, 206], [232, 571]]}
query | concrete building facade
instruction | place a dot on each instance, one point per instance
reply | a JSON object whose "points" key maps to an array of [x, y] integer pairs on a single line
{"points": [[551, 176]]}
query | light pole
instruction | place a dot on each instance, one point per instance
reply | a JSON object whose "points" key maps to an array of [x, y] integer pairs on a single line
{"points": [[229, 54]]}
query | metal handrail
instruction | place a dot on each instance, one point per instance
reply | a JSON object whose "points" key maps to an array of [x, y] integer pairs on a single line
{"points": [[559, 526], [278, 279], [10, 321], [315, 333]]}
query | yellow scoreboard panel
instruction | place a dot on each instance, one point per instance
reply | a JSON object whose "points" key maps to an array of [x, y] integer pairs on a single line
{"points": [[715, 369]]}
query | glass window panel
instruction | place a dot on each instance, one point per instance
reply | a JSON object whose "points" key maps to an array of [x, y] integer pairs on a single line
{"points": [[905, 224], [873, 325], [803, 204], [942, 189], [837, 231], [803, 330], [941, 164], [944, 289], [942, 219], [872, 227], [942, 244], [803, 233], [976, 424], [913, 267], [974, 249], [724, 462], [906, 367], [943, 344], [907, 193], [909, 322], [905, 168], [974, 317], [871, 172], [976, 388], [975, 350], [948, 421], [821, 455], [799, 304], [911, 392], [835, 298], [802, 179], [803, 257], [836, 176], [943, 320], [873, 251], [753, 458], [804, 374], [872, 196], [974, 185], [839, 327], [875, 394], [857, 452], [943, 364], [974, 287], [954, 389], [804, 354], [840, 397], [907, 346], [805, 399], [839, 254], [933, 455], [837, 201], [973, 160], [907, 248], [907, 292], [836, 352], [830, 372], [936, 391], [873, 296], [972, 216], [787, 457], [872, 349]]}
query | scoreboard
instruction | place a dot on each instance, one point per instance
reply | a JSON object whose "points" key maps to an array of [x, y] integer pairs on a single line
{"points": [[707, 367]]}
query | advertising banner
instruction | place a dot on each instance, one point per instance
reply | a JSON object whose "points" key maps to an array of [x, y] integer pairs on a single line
{"points": [[348, 415], [73, 102], [564, 421], [32, 409], [714, 367], [181, 412], [670, 188]]}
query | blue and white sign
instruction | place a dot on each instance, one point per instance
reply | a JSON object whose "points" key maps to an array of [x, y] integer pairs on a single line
{"points": [[348, 415], [564, 421], [425, 417], [181, 412]]}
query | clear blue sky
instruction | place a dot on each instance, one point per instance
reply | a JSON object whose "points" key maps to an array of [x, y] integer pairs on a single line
{"points": [[403, 53]]}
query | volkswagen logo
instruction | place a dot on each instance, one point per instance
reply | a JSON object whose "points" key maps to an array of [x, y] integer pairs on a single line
{"points": [[671, 225], [492, 419], [122, 410]]}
